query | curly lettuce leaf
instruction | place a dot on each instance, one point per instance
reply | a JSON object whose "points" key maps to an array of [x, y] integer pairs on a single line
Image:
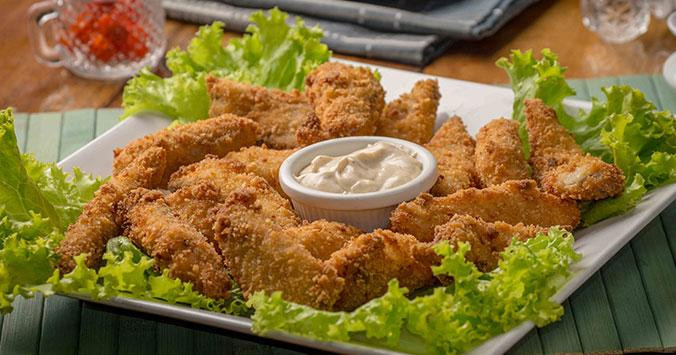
{"points": [[625, 129], [37, 202], [271, 54], [451, 319], [532, 78], [24, 266], [128, 272], [182, 96], [20, 197]]}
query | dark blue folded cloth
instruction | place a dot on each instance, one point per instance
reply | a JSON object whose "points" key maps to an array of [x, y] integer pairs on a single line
{"points": [[412, 32]]}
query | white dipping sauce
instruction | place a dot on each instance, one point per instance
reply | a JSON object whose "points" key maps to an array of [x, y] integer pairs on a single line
{"points": [[378, 167]]}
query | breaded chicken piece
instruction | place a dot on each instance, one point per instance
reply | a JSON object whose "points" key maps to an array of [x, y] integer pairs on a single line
{"points": [[228, 176], [261, 257], [347, 101], [499, 155], [559, 164], [189, 143], [173, 243], [192, 204], [98, 222], [322, 238], [371, 260], [453, 148], [279, 113], [263, 162], [487, 240], [412, 115], [513, 202]]}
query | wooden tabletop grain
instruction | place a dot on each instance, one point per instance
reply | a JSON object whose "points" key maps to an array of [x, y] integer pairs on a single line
{"points": [[29, 86]]}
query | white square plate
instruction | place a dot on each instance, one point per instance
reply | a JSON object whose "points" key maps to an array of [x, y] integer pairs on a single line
{"points": [[477, 104]]}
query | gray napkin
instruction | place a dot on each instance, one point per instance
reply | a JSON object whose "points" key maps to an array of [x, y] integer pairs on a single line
{"points": [[459, 19], [411, 32], [347, 38]]}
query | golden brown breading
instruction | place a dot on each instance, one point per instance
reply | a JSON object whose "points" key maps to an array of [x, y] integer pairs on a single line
{"points": [[263, 162], [189, 143], [559, 164], [513, 202], [98, 222], [487, 240], [192, 204], [453, 148], [499, 155], [173, 243], [261, 257], [279, 113], [322, 238], [347, 101], [412, 115], [228, 176], [371, 260]]}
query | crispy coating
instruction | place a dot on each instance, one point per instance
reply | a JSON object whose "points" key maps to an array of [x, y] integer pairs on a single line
{"points": [[487, 240], [513, 202], [559, 164], [412, 115], [189, 143], [279, 113], [192, 204], [498, 156], [347, 101], [98, 222], [322, 238], [371, 260], [263, 162], [322, 264], [260, 256], [228, 176], [453, 148], [173, 243]]}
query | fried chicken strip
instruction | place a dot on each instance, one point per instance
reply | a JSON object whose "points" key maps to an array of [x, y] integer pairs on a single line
{"points": [[192, 204], [191, 142], [412, 115], [323, 238], [173, 243], [487, 240], [498, 156], [453, 148], [560, 165], [261, 257], [513, 202], [227, 176], [263, 162], [369, 262], [279, 113], [98, 222], [347, 101]]}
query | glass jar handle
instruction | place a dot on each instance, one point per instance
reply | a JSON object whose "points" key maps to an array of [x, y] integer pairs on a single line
{"points": [[39, 15]]}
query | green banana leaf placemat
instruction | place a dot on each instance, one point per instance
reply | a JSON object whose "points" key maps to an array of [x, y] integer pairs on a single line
{"points": [[628, 306]]}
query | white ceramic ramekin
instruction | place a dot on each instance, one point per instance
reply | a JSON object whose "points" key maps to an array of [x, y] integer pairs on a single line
{"points": [[366, 211]]}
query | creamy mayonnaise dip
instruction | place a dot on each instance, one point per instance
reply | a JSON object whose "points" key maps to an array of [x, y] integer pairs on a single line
{"points": [[380, 166]]}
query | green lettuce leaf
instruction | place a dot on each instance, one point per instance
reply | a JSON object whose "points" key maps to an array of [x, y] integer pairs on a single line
{"points": [[37, 202], [451, 319], [271, 54], [20, 197], [128, 272], [533, 78], [625, 129]]}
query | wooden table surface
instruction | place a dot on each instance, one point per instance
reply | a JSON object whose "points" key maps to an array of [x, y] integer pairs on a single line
{"points": [[32, 87]]}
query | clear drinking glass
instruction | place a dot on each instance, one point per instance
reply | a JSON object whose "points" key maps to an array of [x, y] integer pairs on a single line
{"points": [[616, 21], [99, 39]]}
